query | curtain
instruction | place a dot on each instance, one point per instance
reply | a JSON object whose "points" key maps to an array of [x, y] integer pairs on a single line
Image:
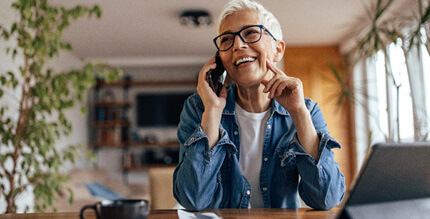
{"points": [[414, 60]]}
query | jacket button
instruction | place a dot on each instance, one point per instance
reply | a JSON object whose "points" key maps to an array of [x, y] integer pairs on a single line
{"points": [[269, 126], [266, 159], [236, 133], [248, 192], [264, 188]]}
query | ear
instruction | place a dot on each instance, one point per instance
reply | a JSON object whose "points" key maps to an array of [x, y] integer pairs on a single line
{"points": [[279, 50]]}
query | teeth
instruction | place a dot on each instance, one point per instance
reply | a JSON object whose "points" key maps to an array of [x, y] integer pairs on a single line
{"points": [[246, 59]]}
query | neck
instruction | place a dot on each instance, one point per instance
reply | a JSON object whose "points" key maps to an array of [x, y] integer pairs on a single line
{"points": [[253, 99]]}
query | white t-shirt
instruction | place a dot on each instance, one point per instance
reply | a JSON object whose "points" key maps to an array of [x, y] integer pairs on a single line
{"points": [[252, 128]]}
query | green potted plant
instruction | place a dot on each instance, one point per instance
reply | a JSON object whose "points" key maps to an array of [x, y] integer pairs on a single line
{"points": [[376, 30], [30, 125]]}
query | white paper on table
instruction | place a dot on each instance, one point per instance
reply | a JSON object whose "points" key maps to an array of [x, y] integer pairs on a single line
{"points": [[190, 215]]}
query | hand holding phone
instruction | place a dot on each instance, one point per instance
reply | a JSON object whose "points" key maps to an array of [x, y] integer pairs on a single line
{"points": [[216, 77]]}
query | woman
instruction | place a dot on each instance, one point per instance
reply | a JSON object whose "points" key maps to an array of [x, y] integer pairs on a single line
{"points": [[248, 146]]}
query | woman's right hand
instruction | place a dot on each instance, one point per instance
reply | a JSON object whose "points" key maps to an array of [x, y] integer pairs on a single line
{"points": [[214, 105]]}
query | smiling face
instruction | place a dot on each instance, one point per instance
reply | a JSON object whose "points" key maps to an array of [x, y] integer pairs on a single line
{"points": [[246, 63]]}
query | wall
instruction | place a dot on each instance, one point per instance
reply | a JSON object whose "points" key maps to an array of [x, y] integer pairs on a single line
{"points": [[312, 66]]}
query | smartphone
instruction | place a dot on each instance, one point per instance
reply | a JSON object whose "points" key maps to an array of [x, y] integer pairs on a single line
{"points": [[216, 76]]}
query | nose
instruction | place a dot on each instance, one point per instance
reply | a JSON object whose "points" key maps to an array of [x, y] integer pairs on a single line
{"points": [[238, 43]]}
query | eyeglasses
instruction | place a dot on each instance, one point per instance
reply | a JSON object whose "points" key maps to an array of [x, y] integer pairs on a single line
{"points": [[248, 34]]}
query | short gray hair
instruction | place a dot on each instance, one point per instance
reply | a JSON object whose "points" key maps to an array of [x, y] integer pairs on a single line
{"points": [[267, 19]]}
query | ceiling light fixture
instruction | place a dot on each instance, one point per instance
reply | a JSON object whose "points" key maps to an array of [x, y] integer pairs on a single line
{"points": [[195, 18]]}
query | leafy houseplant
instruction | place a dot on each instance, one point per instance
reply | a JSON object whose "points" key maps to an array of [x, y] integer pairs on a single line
{"points": [[29, 127], [377, 30]]}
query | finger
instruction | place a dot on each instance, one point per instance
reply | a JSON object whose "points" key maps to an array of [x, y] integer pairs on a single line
{"points": [[280, 88], [274, 88], [205, 69], [210, 64], [268, 84], [265, 83], [202, 83], [273, 68]]}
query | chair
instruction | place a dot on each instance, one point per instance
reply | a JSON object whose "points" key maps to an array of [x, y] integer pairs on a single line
{"points": [[161, 188]]}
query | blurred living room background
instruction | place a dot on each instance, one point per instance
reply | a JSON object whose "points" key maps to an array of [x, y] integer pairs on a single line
{"points": [[368, 68]]}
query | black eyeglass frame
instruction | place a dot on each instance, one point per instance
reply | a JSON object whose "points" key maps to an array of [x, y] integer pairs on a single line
{"points": [[240, 36]]}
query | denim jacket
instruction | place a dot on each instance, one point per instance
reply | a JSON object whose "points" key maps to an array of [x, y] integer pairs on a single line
{"points": [[213, 179]]}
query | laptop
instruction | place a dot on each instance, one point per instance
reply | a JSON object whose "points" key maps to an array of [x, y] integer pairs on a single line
{"points": [[394, 182]]}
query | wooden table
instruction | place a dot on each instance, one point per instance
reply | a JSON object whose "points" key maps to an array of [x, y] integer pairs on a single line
{"points": [[266, 213]]}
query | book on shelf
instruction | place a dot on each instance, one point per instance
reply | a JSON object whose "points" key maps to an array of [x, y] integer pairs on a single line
{"points": [[108, 113], [110, 136]]}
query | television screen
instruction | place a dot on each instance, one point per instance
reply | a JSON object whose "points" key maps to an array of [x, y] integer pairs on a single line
{"points": [[159, 109]]}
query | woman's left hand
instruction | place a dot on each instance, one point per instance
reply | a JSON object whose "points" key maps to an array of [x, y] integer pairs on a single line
{"points": [[288, 91]]}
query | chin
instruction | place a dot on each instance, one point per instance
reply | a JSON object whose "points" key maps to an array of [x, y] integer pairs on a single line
{"points": [[249, 83]]}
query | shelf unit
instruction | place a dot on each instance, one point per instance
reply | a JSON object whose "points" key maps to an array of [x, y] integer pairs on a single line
{"points": [[110, 122], [111, 125]]}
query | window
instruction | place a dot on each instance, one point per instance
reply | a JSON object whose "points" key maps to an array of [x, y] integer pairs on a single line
{"points": [[391, 87]]}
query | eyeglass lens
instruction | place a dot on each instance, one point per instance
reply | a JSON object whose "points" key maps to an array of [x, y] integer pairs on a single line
{"points": [[248, 35]]}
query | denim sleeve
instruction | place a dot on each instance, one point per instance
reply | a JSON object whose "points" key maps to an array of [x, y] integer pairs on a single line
{"points": [[322, 185], [196, 180]]}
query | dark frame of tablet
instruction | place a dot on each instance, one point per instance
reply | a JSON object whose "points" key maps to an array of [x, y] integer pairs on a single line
{"points": [[392, 172]]}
